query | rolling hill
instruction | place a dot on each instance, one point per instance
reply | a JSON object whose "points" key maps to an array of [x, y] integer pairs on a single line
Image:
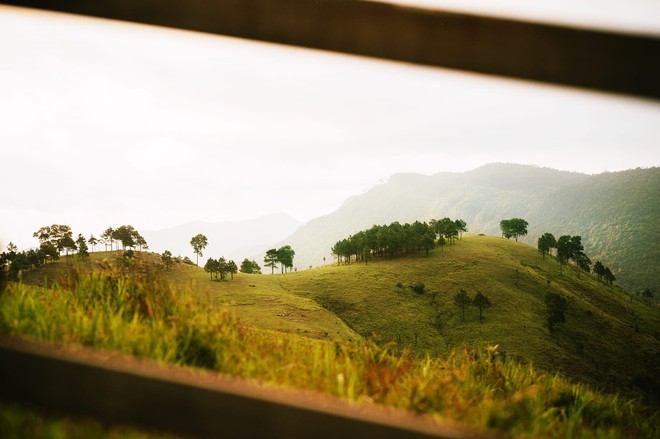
{"points": [[307, 330], [610, 338], [615, 213]]}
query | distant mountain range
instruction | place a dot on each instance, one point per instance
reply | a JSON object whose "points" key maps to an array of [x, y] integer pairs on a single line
{"points": [[232, 239], [616, 213]]}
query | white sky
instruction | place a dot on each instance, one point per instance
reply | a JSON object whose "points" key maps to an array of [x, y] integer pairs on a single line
{"points": [[105, 123]]}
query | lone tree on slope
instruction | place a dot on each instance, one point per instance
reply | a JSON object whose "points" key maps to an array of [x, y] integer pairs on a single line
{"points": [[285, 256], [513, 228], [546, 242], [83, 250], [599, 270], [92, 241], [482, 302], [462, 300], [166, 257], [199, 243], [250, 267], [556, 307], [271, 260]]}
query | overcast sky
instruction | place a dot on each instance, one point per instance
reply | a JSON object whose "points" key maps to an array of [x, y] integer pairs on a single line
{"points": [[105, 123]]}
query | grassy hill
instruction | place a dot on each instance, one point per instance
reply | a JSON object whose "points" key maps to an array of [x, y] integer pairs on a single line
{"points": [[607, 337], [258, 301], [290, 329], [613, 212], [610, 338]]}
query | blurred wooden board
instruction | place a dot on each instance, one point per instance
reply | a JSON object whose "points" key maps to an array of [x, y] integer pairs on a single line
{"points": [[125, 390], [589, 58]]}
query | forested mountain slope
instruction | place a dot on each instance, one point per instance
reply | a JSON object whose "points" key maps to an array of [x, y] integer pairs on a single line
{"points": [[617, 214], [613, 212]]}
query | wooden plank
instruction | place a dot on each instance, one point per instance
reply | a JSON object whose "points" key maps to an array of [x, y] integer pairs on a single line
{"points": [[603, 60], [122, 390]]}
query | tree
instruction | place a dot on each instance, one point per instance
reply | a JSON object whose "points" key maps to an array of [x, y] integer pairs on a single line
{"points": [[211, 266], [513, 228], [270, 260], [564, 250], [141, 242], [127, 235], [546, 242], [599, 270], [462, 300], [106, 237], [166, 257], [609, 276], [222, 267], [232, 268], [556, 305], [482, 302], [583, 261], [285, 256], [49, 251], [441, 242], [199, 243], [66, 242], [92, 241], [571, 248], [250, 267], [43, 235], [461, 227], [57, 235], [83, 251], [11, 247]]}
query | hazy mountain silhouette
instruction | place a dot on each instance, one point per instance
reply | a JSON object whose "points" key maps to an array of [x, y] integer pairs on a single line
{"points": [[232, 239]]}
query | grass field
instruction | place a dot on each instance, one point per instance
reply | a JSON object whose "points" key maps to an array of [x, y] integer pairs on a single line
{"points": [[313, 330]]}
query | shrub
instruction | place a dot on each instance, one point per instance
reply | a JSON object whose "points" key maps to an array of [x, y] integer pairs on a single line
{"points": [[418, 287]]}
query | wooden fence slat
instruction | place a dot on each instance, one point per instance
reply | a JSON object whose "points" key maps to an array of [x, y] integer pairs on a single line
{"points": [[144, 394], [590, 58]]}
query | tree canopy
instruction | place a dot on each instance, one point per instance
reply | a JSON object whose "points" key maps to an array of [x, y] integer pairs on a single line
{"points": [[556, 306], [546, 242], [482, 302], [462, 300], [199, 243], [513, 228], [571, 248], [250, 267], [283, 256], [397, 239]]}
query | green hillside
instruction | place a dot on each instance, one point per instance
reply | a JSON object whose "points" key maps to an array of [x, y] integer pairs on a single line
{"points": [[610, 338], [311, 330], [615, 213], [259, 301]]}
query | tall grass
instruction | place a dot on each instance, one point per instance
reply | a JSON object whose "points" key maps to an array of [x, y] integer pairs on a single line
{"points": [[136, 313]]}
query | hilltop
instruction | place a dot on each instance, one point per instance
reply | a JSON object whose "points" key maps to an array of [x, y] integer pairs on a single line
{"points": [[610, 338], [611, 211]]}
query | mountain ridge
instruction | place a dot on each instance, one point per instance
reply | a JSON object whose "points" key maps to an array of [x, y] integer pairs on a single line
{"points": [[492, 192], [231, 239]]}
